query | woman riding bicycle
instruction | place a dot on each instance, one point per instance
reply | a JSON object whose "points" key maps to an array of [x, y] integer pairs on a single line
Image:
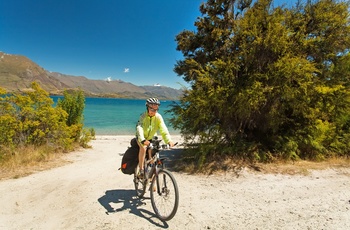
{"points": [[147, 126]]}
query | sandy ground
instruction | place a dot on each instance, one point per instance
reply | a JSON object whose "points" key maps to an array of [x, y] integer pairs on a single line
{"points": [[90, 193]]}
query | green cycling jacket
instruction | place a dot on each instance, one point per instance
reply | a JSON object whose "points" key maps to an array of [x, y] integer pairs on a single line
{"points": [[148, 126]]}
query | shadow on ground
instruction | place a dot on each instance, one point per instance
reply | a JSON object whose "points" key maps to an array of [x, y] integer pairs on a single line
{"points": [[130, 202]]}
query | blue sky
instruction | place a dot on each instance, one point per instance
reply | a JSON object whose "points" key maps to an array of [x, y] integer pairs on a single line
{"points": [[122, 39], [99, 38]]}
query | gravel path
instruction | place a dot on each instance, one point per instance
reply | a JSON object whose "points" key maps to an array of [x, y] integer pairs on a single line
{"points": [[90, 193]]}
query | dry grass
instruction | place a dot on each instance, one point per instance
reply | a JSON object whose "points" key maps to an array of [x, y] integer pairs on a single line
{"points": [[301, 167], [26, 161]]}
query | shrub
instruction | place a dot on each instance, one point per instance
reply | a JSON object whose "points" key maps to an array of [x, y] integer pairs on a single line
{"points": [[31, 120]]}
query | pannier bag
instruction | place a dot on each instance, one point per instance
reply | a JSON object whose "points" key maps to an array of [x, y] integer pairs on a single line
{"points": [[134, 144], [131, 158]]}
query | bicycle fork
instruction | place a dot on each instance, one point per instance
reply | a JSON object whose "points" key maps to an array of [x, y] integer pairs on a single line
{"points": [[160, 190]]}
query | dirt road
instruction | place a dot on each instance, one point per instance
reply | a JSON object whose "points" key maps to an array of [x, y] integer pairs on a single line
{"points": [[90, 193]]}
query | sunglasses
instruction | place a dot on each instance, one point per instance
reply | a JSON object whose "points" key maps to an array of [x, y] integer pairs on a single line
{"points": [[152, 110]]}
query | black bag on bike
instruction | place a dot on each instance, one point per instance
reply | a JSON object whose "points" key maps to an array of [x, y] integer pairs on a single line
{"points": [[130, 159]]}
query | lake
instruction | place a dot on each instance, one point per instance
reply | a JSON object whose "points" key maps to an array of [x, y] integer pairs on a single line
{"points": [[115, 116]]}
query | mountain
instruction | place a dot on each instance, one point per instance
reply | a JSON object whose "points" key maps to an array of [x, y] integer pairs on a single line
{"points": [[18, 72], [163, 90]]}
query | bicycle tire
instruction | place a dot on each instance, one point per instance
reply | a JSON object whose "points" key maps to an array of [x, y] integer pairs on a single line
{"points": [[166, 201], [140, 185]]}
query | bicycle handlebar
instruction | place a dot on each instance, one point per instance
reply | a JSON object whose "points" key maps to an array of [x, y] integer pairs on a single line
{"points": [[167, 146]]}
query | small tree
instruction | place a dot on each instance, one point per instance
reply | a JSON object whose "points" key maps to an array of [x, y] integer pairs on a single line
{"points": [[73, 103]]}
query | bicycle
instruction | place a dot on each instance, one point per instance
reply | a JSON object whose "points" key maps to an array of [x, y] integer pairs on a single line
{"points": [[162, 183]]}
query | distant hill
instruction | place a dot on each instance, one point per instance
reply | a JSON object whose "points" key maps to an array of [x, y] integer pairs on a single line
{"points": [[162, 90], [18, 72]]}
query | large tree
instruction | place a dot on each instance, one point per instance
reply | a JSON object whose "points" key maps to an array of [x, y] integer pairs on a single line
{"points": [[266, 82]]}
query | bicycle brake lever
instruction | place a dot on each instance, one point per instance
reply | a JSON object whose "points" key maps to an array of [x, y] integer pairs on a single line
{"points": [[168, 146]]}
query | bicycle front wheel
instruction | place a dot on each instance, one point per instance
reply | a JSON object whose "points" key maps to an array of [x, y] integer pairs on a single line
{"points": [[164, 195]]}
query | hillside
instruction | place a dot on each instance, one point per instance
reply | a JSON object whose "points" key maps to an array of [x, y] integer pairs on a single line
{"points": [[18, 72]]}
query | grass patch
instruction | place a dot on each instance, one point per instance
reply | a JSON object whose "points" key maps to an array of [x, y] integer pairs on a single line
{"points": [[27, 160]]}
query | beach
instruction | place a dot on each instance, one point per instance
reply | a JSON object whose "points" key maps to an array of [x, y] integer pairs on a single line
{"points": [[89, 192]]}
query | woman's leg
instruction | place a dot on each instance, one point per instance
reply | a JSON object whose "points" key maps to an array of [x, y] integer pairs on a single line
{"points": [[142, 154]]}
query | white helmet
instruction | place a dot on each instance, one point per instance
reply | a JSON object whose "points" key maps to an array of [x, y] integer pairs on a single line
{"points": [[152, 101]]}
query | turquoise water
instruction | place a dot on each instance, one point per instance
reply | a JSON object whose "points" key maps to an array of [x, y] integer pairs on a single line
{"points": [[114, 116]]}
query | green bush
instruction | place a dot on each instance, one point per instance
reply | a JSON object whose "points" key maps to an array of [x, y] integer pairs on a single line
{"points": [[31, 120]]}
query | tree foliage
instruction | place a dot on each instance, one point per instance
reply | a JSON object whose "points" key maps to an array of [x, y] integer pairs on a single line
{"points": [[73, 103], [31, 120], [266, 82]]}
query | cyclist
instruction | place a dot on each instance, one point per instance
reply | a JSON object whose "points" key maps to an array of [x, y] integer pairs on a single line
{"points": [[147, 126]]}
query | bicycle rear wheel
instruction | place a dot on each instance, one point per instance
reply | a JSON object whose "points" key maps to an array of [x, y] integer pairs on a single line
{"points": [[165, 198], [140, 184]]}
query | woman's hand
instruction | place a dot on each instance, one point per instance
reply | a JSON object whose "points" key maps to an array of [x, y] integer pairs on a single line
{"points": [[171, 144], [146, 143]]}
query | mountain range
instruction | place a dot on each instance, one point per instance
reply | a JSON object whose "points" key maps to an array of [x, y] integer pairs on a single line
{"points": [[17, 72]]}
